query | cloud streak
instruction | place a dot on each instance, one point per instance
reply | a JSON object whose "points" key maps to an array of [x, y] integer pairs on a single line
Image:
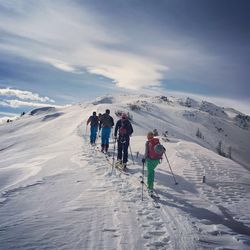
{"points": [[25, 99], [17, 103], [24, 95], [78, 41], [61, 65]]}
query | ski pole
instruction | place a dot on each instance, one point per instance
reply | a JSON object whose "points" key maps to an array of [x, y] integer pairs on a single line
{"points": [[112, 133], [142, 180], [86, 130], [113, 159], [131, 154], [96, 137], [170, 168]]}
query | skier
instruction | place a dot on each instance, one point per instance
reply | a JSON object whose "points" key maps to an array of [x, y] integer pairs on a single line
{"points": [[124, 129], [153, 153], [94, 123], [107, 122]]}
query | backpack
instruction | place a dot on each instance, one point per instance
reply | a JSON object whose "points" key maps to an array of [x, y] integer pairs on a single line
{"points": [[155, 149], [122, 130]]}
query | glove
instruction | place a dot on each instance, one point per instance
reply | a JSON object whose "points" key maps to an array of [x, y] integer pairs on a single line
{"points": [[143, 160], [115, 137]]}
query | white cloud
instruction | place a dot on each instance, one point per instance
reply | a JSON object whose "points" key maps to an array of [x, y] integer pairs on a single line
{"points": [[18, 103], [68, 38], [130, 71], [61, 65], [24, 95]]}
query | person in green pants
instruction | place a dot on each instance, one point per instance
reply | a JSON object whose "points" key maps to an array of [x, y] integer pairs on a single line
{"points": [[152, 158]]}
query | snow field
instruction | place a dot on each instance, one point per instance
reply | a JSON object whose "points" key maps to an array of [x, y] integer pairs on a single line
{"points": [[128, 200], [57, 192]]}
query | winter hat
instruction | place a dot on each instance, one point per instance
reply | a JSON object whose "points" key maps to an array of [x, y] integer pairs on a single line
{"points": [[150, 135]]}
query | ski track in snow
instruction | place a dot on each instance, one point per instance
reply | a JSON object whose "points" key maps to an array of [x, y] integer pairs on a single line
{"points": [[160, 227], [154, 233]]}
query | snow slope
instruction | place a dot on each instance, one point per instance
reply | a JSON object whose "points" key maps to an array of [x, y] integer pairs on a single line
{"points": [[58, 192]]}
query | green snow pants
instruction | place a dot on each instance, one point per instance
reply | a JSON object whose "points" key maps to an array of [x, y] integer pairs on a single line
{"points": [[151, 165]]}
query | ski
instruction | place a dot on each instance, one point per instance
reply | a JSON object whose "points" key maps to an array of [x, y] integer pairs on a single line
{"points": [[124, 172], [154, 201], [154, 197], [108, 156], [119, 167]]}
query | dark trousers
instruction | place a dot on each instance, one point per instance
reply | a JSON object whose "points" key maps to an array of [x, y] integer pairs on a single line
{"points": [[123, 151]]}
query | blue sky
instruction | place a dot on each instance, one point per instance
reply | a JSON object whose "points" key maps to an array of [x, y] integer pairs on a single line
{"points": [[72, 50]]}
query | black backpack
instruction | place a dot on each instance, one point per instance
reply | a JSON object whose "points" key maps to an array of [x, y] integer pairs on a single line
{"points": [[125, 130]]}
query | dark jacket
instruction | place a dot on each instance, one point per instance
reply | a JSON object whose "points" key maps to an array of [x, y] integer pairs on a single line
{"points": [[106, 121], [93, 120], [123, 125]]}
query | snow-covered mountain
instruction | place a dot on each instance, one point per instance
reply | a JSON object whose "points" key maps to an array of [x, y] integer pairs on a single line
{"points": [[58, 192], [183, 117]]}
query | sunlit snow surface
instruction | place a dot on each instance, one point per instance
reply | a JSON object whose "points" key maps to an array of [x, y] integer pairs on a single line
{"points": [[58, 192]]}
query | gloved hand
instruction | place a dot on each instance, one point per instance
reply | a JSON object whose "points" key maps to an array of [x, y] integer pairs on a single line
{"points": [[143, 160], [115, 137]]}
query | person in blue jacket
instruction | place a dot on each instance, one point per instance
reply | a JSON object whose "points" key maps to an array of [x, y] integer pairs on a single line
{"points": [[94, 123]]}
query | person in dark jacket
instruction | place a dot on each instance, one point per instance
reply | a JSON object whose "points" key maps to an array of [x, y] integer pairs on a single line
{"points": [[107, 122], [124, 130], [94, 123]]}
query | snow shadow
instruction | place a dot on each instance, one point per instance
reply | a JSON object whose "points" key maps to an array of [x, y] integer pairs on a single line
{"points": [[51, 117], [2, 149], [164, 179], [137, 158], [225, 219], [167, 180], [42, 110]]}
